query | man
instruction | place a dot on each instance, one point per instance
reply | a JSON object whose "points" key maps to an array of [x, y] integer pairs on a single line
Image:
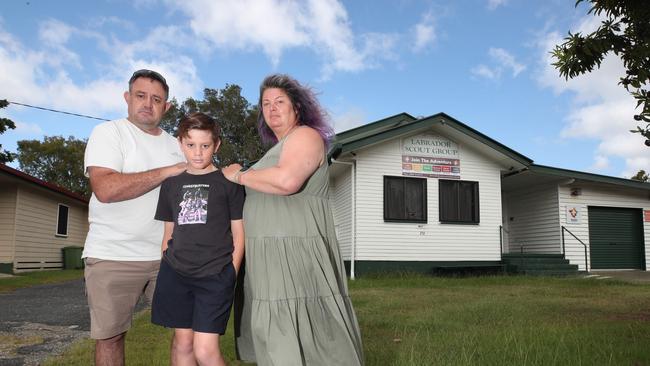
{"points": [[126, 160]]}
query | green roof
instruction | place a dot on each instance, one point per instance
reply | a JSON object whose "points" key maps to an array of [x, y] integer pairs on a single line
{"points": [[399, 124], [548, 170], [402, 123]]}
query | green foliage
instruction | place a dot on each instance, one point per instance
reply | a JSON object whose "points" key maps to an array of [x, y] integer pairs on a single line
{"points": [[55, 160], [626, 33], [240, 141], [641, 176], [5, 123]]}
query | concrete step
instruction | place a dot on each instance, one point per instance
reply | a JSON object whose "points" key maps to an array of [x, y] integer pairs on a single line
{"points": [[549, 272], [542, 266], [536, 260], [539, 264], [531, 255]]}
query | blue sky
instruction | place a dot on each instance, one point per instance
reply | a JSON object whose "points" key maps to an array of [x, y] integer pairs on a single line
{"points": [[483, 62]]}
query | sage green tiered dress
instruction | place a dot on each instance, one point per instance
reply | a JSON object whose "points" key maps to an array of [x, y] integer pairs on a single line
{"points": [[296, 308]]}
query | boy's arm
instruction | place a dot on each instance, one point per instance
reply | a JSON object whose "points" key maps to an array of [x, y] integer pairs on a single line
{"points": [[237, 229], [169, 229]]}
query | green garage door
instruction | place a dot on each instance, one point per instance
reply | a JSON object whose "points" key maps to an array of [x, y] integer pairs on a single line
{"points": [[616, 238]]}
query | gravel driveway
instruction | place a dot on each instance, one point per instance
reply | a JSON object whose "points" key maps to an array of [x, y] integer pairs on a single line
{"points": [[41, 321]]}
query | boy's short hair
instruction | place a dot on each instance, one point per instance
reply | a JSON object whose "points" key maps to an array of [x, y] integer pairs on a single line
{"points": [[199, 121]]}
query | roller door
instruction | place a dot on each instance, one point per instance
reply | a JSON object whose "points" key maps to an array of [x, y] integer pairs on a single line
{"points": [[616, 238]]}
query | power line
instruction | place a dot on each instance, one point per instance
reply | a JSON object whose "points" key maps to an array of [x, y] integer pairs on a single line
{"points": [[54, 110]]}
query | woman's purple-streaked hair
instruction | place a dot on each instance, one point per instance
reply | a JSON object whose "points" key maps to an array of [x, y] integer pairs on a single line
{"points": [[303, 99]]}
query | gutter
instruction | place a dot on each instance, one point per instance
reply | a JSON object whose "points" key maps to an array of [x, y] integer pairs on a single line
{"points": [[353, 213]]}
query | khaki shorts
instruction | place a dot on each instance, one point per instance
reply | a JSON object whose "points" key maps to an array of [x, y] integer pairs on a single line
{"points": [[113, 289]]}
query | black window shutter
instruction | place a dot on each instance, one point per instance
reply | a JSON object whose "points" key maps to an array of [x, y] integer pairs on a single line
{"points": [[448, 200], [458, 201], [414, 202], [394, 196], [62, 224], [405, 199]]}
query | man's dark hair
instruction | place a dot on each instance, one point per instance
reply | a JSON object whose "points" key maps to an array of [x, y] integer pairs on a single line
{"points": [[149, 74]]}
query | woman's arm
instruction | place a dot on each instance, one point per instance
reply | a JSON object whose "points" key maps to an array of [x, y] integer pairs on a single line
{"points": [[237, 229], [301, 155]]}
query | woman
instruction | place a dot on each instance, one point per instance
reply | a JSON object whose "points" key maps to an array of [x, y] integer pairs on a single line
{"points": [[296, 308]]}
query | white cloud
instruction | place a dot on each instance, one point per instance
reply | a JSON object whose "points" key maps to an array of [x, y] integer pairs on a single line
{"points": [[506, 60], [378, 46], [159, 50], [54, 32], [486, 72], [424, 33], [248, 24], [24, 128], [330, 28], [493, 4], [40, 78], [54, 35], [600, 163], [502, 60], [181, 75], [600, 108], [606, 117], [18, 82], [144, 4], [349, 119], [275, 26], [40, 74], [102, 21], [634, 164]]}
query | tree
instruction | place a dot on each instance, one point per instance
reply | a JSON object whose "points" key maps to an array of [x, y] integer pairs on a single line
{"points": [[6, 123], [55, 160], [641, 176], [240, 141], [626, 33]]}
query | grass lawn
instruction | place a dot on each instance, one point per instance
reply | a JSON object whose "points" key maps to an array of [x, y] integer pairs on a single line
{"points": [[38, 278], [501, 320]]}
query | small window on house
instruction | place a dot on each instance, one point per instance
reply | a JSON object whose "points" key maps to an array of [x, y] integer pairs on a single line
{"points": [[405, 199], [458, 201], [62, 221]]}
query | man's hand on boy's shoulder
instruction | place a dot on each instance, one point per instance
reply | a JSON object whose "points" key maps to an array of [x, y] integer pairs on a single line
{"points": [[176, 169]]}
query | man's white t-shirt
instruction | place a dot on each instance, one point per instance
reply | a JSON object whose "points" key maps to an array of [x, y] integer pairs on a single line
{"points": [[127, 230]]}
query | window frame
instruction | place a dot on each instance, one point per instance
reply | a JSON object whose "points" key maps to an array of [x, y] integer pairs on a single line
{"points": [[390, 217], [59, 223], [474, 211]]}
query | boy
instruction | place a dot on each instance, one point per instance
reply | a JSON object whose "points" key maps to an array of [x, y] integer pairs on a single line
{"points": [[203, 246]]}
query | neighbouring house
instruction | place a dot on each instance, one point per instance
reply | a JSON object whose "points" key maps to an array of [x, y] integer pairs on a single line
{"points": [[423, 193], [37, 220]]}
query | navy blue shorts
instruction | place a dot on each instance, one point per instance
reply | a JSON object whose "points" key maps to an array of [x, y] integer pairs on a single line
{"points": [[202, 304]]}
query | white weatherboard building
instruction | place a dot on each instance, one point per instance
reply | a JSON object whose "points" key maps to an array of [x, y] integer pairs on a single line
{"points": [[424, 193]]}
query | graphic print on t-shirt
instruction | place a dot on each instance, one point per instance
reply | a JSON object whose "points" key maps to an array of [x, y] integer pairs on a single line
{"points": [[194, 206]]}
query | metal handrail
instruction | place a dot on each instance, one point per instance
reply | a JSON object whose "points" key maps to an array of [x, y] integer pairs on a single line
{"points": [[581, 242]]}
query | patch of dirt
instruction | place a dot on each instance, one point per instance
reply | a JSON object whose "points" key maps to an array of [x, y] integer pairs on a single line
{"points": [[29, 344]]}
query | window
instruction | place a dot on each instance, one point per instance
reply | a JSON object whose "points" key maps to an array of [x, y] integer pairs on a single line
{"points": [[405, 199], [458, 201], [62, 221]]}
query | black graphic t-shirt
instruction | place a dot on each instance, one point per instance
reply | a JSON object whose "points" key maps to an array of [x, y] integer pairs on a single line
{"points": [[201, 207]]}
